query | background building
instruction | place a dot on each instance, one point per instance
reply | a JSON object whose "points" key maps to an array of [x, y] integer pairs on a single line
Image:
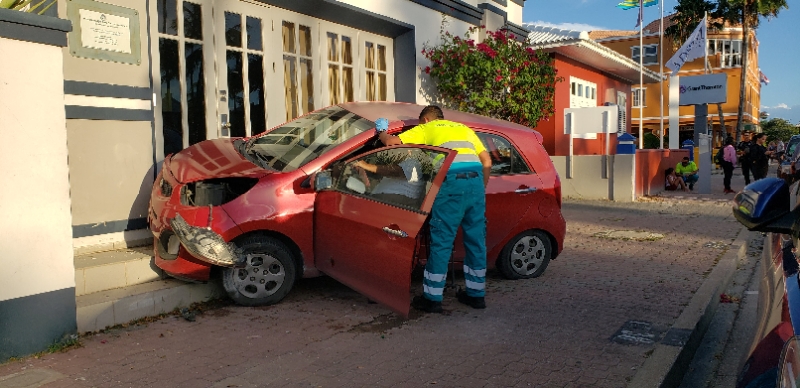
{"points": [[724, 56]]}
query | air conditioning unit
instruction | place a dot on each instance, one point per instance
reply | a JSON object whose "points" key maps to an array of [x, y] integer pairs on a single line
{"points": [[622, 118]]}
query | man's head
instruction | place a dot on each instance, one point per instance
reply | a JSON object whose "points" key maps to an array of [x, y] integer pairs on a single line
{"points": [[746, 135], [685, 161], [430, 113]]}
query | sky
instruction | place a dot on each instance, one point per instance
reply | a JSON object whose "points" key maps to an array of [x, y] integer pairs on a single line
{"points": [[779, 50]]}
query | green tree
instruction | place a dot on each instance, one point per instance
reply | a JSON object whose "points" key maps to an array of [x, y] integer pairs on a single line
{"points": [[748, 13], [499, 77], [28, 5], [778, 129]]}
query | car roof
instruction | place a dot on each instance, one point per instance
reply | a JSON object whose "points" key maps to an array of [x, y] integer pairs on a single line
{"points": [[401, 111]]}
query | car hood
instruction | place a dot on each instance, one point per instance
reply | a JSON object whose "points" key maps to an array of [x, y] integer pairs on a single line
{"points": [[209, 159]]}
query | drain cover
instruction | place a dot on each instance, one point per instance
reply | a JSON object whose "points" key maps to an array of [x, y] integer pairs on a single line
{"points": [[636, 333]]}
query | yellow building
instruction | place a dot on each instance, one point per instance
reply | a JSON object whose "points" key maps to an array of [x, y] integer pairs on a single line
{"points": [[724, 56]]}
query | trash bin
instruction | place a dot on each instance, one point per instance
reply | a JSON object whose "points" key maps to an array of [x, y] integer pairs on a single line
{"points": [[689, 146]]}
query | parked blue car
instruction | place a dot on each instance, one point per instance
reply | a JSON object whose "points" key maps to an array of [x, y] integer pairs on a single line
{"points": [[770, 205]]}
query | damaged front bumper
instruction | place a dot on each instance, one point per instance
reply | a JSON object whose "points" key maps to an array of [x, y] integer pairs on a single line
{"points": [[205, 244]]}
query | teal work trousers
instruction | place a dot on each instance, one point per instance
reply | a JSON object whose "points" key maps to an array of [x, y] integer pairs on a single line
{"points": [[460, 202]]}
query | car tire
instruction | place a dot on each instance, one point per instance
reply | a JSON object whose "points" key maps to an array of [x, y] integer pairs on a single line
{"points": [[526, 256], [267, 276]]}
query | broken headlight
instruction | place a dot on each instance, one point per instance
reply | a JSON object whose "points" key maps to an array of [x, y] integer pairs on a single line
{"points": [[204, 243], [215, 192]]}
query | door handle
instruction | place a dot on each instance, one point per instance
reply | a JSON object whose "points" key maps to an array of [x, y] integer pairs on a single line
{"points": [[395, 232], [525, 190], [226, 125]]}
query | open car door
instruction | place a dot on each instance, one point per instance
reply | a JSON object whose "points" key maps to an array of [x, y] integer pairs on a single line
{"points": [[367, 223]]}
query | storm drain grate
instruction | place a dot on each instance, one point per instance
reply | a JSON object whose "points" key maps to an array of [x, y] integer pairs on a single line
{"points": [[636, 333]]}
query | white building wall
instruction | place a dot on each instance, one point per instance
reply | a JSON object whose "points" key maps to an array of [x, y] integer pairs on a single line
{"points": [[427, 23], [35, 218]]}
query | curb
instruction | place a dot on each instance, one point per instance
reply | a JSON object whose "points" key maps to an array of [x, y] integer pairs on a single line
{"points": [[670, 359]]}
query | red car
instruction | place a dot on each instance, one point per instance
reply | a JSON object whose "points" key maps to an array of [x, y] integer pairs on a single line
{"points": [[292, 203]]}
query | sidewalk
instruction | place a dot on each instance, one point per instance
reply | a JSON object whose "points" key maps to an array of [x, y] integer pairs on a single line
{"points": [[615, 300]]}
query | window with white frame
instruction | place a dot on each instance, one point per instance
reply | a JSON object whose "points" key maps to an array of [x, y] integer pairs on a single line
{"points": [[375, 64], [638, 95], [340, 68], [650, 54], [582, 93], [730, 51]]}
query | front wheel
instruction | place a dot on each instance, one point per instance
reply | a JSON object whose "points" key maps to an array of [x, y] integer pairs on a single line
{"points": [[267, 277], [526, 256]]}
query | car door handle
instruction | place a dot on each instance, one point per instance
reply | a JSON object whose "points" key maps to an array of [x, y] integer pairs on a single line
{"points": [[525, 190], [395, 232]]}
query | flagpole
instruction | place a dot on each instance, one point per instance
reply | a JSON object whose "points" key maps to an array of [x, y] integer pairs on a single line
{"points": [[641, 74], [661, 79]]}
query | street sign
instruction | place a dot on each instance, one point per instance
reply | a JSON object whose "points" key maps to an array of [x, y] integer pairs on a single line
{"points": [[703, 89]]}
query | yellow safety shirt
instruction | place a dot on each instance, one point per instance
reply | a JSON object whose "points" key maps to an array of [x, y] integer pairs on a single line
{"points": [[452, 135]]}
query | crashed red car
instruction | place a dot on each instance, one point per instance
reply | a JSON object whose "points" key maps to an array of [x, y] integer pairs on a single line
{"points": [[290, 203]]}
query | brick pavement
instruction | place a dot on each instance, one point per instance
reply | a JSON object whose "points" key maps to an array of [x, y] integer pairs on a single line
{"points": [[553, 331]]}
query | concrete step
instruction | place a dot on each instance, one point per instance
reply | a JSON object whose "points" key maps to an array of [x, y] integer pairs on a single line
{"points": [[103, 271], [99, 310]]}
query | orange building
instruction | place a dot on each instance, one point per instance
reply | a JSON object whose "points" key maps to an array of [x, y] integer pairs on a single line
{"points": [[593, 76], [724, 56]]}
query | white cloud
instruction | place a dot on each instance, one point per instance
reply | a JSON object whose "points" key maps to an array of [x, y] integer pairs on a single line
{"points": [[784, 111], [566, 26]]}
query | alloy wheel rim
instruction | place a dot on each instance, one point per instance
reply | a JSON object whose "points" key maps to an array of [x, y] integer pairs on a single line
{"points": [[527, 255], [262, 276]]}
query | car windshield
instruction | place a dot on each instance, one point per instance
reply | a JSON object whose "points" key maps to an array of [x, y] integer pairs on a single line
{"points": [[292, 145], [790, 149]]}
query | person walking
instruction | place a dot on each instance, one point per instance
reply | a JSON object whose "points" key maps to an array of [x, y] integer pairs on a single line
{"points": [[728, 161], [743, 154], [461, 201], [759, 157]]}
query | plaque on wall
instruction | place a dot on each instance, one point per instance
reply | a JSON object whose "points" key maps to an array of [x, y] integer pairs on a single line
{"points": [[104, 31]]}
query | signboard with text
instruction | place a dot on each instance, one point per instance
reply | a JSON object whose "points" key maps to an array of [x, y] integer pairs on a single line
{"points": [[104, 31], [703, 89]]}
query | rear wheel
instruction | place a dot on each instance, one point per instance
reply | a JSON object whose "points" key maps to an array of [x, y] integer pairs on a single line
{"points": [[267, 277], [526, 256]]}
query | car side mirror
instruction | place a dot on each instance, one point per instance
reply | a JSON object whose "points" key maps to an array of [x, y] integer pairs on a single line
{"points": [[323, 181], [763, 206]]}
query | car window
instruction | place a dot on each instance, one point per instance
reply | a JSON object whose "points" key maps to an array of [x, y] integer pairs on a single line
{"points": [[505, 158], [792, 145], [292, 145], [399, 176]]}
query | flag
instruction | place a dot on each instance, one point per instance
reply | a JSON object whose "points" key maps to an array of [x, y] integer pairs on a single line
{"points": [[763, 78], [628, 4], [693, 48]]}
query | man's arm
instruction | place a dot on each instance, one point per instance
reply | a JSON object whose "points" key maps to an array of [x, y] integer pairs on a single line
{"points": [[389, 140], [486, 161]]}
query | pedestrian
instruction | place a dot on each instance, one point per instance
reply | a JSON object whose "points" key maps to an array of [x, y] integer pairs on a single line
{"points": [[687, 170], [759, 157], [743, 154], [727, 163], [461, 201]]}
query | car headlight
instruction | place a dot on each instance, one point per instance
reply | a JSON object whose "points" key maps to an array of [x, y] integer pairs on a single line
{"points": [[204, 244]]}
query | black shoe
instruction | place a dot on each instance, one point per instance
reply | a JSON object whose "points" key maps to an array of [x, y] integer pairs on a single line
{"points": [[691, 187], [424, 304], [476, 302]]}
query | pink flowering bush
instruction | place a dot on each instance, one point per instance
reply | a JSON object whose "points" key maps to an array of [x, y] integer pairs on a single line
{"points": [[499, 77]]}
